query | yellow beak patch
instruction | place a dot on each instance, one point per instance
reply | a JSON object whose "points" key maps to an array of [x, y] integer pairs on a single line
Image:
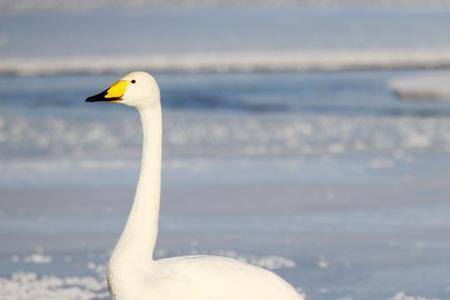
{"points": [[117, 90]]}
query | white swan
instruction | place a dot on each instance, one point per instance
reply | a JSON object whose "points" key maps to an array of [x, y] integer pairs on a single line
{"points": [[133, 274]]}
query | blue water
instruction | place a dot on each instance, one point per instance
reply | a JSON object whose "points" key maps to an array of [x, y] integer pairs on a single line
{"points": [[352, 93], [162, 31]]}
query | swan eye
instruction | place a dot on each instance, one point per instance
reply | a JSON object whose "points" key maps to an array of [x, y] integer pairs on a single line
{"points": [[133, 81]]}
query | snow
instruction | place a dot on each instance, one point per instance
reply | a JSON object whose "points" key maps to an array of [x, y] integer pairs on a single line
{"points": [[403, 296], [31, 286], [318, 60], [426, 86]]}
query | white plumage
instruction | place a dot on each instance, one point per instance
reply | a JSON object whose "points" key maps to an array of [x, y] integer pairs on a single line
{"points": [[133, 274]]}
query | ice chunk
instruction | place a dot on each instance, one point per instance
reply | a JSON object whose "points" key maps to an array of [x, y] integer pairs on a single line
{"points": [[427, 86]]}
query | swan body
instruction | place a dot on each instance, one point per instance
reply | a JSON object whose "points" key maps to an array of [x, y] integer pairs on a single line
{"points": [[133, 274], [202, 278]]}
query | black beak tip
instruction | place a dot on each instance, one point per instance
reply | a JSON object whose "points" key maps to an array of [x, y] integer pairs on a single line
{"points": [[97, 98], [91, 98]]}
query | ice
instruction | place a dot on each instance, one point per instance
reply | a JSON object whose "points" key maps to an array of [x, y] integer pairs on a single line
{"points": [[318, 60], [322, 264], [427, 86], [193, 139], [31, 286], [37, 259], [403, 296]]}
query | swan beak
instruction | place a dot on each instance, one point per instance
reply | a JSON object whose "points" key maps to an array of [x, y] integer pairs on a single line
{"points": [[113, 94]]}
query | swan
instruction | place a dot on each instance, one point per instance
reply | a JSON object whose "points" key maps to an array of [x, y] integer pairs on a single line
{"points": [[133, 274]]}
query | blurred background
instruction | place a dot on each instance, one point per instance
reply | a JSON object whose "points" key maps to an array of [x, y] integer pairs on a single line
{"points": [[311, 138]]}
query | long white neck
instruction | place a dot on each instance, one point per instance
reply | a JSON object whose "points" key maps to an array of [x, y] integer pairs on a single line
{"points": [[138, 239]]}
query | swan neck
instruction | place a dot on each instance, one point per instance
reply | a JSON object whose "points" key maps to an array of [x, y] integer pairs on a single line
{"points": [[138, 240]]}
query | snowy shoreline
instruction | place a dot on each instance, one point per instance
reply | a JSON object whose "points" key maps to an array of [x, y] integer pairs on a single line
{"points": [[338, 60]]}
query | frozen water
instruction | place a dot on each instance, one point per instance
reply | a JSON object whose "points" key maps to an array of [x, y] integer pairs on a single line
{"points": [[425, 86]]}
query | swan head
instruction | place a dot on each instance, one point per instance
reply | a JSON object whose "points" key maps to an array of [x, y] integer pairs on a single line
{"points": [[137, 89]]}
